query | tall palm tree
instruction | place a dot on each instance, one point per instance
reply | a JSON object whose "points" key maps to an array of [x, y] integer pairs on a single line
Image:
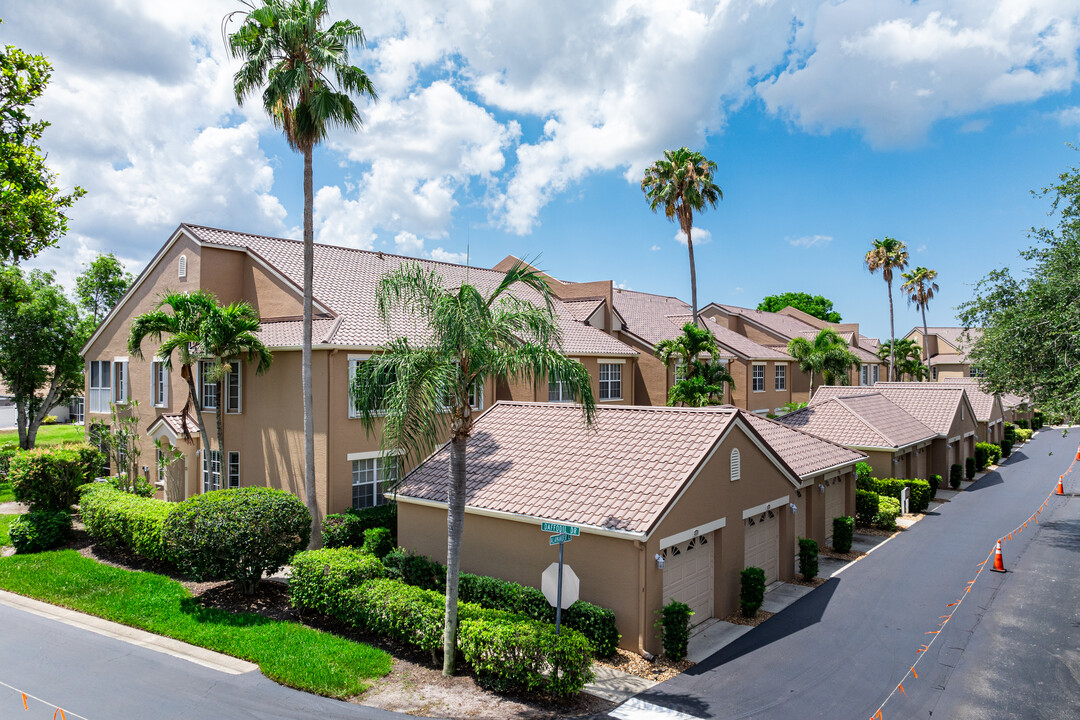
{"points": [[468, 336], [289, 58], [888, 255], [684, 349], [682, 183], [827, 354], [919, 286], [908, 354]]}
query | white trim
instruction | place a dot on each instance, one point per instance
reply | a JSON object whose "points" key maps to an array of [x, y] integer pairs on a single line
{"points": [[762, 363], [969, 434], [372, 454], [158, 366], [612, 361], [237, 372], [120, 359], [953, 439], [765, 507], [692, 533], [358, 356]]}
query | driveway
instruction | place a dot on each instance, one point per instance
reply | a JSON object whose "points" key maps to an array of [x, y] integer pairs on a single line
{"points": [[840, 651]]}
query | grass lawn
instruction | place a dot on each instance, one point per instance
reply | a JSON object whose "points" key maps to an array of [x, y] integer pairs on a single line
{"points": [[287, 652], [5, 523], [47, 435], [6, 495]]}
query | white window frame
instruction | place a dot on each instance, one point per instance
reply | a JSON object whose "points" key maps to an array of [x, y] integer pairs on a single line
{"points": [[377, 465], [120, 381], [159, 384], [874, 374], [103, 390], [233, 469], [476, 395], [559, 391], [208, 474], [161, 469], [202, 385], [181, 267], [781, 377], [234, 379], [864, 375], [754, 378], [609, 388]]}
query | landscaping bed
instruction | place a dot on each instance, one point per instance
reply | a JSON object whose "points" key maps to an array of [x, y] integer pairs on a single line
{"points": [[658, 669]]}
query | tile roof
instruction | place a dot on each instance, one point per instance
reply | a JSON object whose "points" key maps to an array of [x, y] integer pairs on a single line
{"points": [[792, 327], [862, 420], [982, 402], [947, 359], [933, 404], [952, 335], [287, 333], [805, 453], [175, 422], [346, 282]]}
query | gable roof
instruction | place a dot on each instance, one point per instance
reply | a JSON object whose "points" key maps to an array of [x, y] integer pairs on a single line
{"points": [[868, 420], [933, 404], [982, 402], [806, 453], [174, 424], [619, 476], [789, 327]]}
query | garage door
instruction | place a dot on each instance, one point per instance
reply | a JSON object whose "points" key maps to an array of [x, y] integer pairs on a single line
{"points": [[834, 507], [688, 576], [763, 544]]}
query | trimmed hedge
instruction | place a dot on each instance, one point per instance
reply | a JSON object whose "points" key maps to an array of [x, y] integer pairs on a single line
{"points": [[121, 520], [843, 530], [892, 487], [347, 529], [866, 506], [956, 472], [1006, 448], [378, 541], [1010, 434], [969, 468], [808, 558], [1023, 435], [47, 478], [992, 452], [982, 458], [751, 590], [935, 483], [674, 627], [320, 578], [40, 530], [888, 510]]}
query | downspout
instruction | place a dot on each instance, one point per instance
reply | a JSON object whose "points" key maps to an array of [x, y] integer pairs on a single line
{"points": [[641, 601]]}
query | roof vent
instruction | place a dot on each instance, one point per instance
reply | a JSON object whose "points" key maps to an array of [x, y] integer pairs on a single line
{"points": [[736, 465], [181, 268]]}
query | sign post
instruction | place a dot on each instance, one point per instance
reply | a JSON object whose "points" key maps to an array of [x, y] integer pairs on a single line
{"points": [[563, 534]]}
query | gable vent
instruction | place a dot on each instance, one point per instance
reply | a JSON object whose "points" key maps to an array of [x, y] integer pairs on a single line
{"points": [[736, 465], [181, 268]]}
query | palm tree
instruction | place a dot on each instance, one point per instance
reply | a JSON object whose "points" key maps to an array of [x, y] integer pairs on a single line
{"points": [[920, 287], [682, 183], [908, 354], [701, 382], [827, 354], [684, 349], [887, 255], [290, 58], [468, 337]]}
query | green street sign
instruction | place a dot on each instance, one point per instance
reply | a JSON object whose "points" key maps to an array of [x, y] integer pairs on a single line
{"points": [[559, 539], [558, 528]]}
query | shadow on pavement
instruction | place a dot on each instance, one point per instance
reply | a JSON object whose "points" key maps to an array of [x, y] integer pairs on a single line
{"points": [[988, 480], [801, 614]]}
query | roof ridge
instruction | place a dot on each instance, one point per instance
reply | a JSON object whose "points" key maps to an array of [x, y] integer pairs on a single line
{"points": [[775, 421], [715, 409], [858, 416]]}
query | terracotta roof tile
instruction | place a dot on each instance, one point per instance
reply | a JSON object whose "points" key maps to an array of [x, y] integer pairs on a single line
{"points": [[804, 452], [982, 402], [866, 419], [933, 404], [175, 422]]}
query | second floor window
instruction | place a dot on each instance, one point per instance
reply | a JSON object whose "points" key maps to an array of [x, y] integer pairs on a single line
{"points": [[100, 385], [610, 381], [759, 378], [558, 391], [233, 388], [209, 389], [865, 375], [159, 380], [781, 376], [120, 382]]}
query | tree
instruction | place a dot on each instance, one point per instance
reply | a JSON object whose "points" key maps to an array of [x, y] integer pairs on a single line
{"points": [[40, 338], [101, 285], [697, 382], [289, 59], [469, 336], [827, 355], [888, 255], [908, 356], [32, 207], [816, 305], [682, 183], [919, 286], [1030, 338]]}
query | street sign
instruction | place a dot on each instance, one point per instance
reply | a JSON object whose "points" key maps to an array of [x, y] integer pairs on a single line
{"points": [[571, 586], [559, 528], [560, 538]]}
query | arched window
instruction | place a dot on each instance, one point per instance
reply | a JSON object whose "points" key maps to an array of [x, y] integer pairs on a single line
{"points": [[736, 465], [181, 270]]}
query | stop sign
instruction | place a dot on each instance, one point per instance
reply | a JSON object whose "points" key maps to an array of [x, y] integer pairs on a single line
{"points": [[571, 586]]}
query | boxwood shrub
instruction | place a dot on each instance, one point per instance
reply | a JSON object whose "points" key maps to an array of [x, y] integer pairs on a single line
{"points": [[992, 451], [935, 483], [674, 627], [121, 520], [40, 530], [866, 507], [751, 590], [1023, 435], [956, 472], [1006, 448], [238, 534], [843, 530], [1010, 433], [320, 578], [348, 528], [378, 541], [47, 478], [888, 510], [969, 468], [892, 487], [808, 558]]}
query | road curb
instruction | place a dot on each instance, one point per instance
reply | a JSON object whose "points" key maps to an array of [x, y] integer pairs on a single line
{"points": [[133, 636]]}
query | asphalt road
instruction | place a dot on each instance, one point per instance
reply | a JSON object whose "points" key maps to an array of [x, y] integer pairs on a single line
{"points": [[1010, 650]]}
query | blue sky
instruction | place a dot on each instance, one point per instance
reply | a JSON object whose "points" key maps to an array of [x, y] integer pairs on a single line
{"points": [[525, 131]]}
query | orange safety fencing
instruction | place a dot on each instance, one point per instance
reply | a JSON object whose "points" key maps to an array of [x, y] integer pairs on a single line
{"points": [[58, 712], [953, 606]]}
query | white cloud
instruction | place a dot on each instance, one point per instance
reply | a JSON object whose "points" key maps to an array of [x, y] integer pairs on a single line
{"points": [[700, 235], [408, 244], [975, 126], [921, 248], [810, 241], [1068, 116], [654, 248]]}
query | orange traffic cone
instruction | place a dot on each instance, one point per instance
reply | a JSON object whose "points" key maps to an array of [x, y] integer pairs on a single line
{"points": [[1060, 487], [1078, 454], [999, 564]]}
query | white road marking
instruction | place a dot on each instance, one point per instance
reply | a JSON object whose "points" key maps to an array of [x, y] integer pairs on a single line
{"points": [[635, 709]]}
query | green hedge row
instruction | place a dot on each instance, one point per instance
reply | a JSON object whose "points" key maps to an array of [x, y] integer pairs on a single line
{"points": [[121, 520], [320, 578], [866, 507], [347, 529], [48, 478], [892, 487]]}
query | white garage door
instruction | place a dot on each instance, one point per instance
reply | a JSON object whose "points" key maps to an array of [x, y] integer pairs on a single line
{"points": [[834, 507], [763, 544], [688, 576]]}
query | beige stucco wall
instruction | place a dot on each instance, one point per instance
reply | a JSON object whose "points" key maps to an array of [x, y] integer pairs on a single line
{"points": [[769, 399], [522, 391]]}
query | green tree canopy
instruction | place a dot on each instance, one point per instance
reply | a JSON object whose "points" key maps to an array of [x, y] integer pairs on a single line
{"points": [[908, 354], [32, 205], [101, 285], [827, 355], [1030, 339], [816, 305], [698, 382]]}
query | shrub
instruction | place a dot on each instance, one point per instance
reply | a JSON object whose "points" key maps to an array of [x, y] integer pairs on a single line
{"points": [[1006, 448], [956, 472], [1023, 435], [969, 468], [981, 457], [595, 623], [5, 461], [413, 569], [140, 487], [843, 529], [392, 609], [120, 520], [1022, 424], [40, 530], [1010, 434], [888, 510], [863, 471], [808, 558], [1037, 420], [866, 506], [892, 487], [348, 528], [49, 420], [674, 627], [752, 590], [993, 452], [46, 478], [378, 541], [935, 483], [321, 578], [237, 534]]}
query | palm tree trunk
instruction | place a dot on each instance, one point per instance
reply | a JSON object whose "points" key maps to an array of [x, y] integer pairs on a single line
{"points": [[455, 523], [219, 415], [892, 336], [305, 361], [687, 227], [925, 336]]}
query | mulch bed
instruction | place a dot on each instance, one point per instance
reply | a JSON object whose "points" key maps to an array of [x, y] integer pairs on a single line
{"points": [[816, 582], [738, 619], [659, 669]]}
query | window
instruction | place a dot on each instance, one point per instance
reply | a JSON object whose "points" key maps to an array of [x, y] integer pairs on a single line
{"points": [[181, 267], [933, 373], [558, 391], [680, 370], [77, 408], [372, 477], [476, 395], [208, 397], [354, 365], [973, 371], [781, 376], [233, 388], [874, 374], [736, 465], [234, 469], [864, 376], [159, 380], [120, 384], [100, 385], [759, 378], [161, 469], [610, 381], [211, 473]]}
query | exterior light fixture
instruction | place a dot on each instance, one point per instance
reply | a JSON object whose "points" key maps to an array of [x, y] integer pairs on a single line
{"points": [[659, 561], [794, 509]]}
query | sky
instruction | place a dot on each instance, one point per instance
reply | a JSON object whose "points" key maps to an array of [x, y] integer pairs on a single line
{"points": [[524, 129]]}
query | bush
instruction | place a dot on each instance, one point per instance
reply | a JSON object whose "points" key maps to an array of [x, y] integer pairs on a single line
{"points": [[40, 530], [416, 570], [595, 623], [892, 487], [392, 609], [1037, 420], [982, 459], [934, 482], [1023, 424], [1023, 435], [141, 487], [48, 420], [321, 578], [843, 529], [5, 461], [956, 472], [674, 627], [863, 471], [866, 506], [348, 528], [1006, 448], [1010, 434], [238, 534], [993, 453], [378, 541], [888, 510], [969, 468], [808, 558], [752, 590], [46, 478], [120, 520]]}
